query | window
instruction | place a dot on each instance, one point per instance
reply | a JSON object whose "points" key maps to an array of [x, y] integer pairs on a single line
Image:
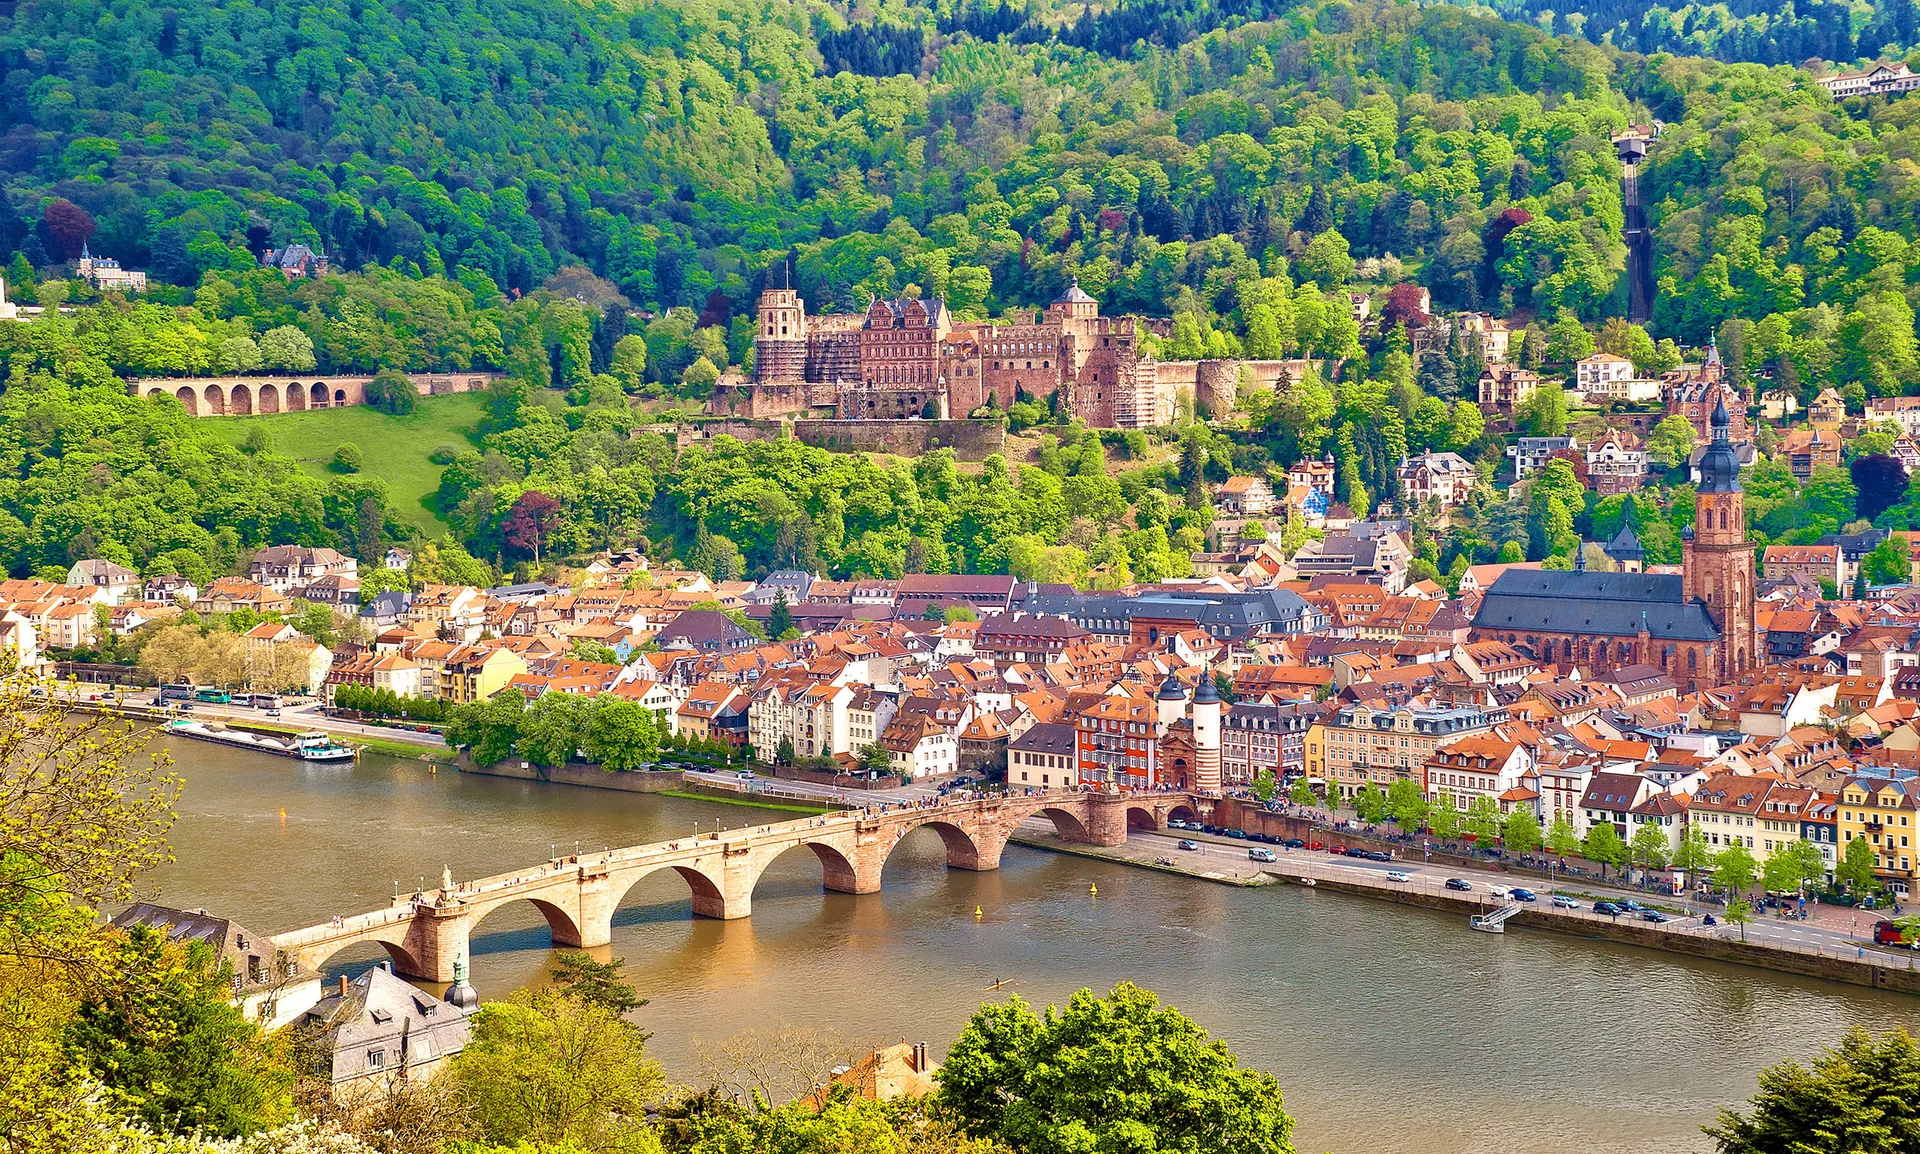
{"points": [[376, 1059]]}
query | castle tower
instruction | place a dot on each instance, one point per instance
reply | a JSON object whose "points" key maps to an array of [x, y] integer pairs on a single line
{"points": [[1206, 737], [780, 343], [1718, 562]]}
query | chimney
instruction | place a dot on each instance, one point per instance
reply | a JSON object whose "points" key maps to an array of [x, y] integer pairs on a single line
{"points": [[919, 1057], [343, 985]]}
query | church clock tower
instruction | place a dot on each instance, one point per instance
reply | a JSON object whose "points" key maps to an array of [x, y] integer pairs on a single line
{"points": [[1717, 564]]}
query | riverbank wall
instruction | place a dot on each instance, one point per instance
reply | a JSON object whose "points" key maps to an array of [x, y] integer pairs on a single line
{"points": [[1852, 966], [1876, 971], [588, 776], [578, 773]]}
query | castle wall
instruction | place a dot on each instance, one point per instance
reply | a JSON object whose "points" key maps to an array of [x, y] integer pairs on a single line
{"points": [[970, 440]]}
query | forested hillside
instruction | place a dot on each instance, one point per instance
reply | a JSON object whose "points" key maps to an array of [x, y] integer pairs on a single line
{"points": [[681, 148], [1758, 31], [508, 180]]}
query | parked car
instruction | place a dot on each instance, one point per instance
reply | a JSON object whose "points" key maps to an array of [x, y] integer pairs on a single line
{"points": [[1189, 843], [1315, 845], [1359, 853], [1607, 908], [1563, 902], [1461, 884], [1397, 876], [1237, 834], [1653, 916], [1261, 855], [1337, 850], [1521, 895], [1292, 842], [1379, 855]]}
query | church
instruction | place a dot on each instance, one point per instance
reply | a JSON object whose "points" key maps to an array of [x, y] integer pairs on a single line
{"points": [[1698, 626]]}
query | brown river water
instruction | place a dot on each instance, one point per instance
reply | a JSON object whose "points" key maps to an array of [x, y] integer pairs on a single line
{"points": [[1391, 1030]]}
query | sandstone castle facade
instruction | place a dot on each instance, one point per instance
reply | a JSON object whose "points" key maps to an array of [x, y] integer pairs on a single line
{"points": [[908, 358]]}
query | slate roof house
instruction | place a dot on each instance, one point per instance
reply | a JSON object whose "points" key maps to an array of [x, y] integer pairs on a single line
{"points": [[708, 630], [381, 1030]]}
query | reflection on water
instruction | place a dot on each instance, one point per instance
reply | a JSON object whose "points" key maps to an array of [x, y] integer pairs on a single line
{"points": [[1391, 1030]]}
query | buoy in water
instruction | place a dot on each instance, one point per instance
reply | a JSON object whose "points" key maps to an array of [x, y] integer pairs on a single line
{"points": [[1094, 889], [976, 913], [283, 813]]}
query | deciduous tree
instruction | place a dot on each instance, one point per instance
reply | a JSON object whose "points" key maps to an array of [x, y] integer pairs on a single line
{"points": [[1046, 1083]]}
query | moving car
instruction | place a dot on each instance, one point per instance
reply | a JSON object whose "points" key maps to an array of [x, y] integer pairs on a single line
{"points": [[1189, 843], [1628, 905], [1563, 902], [1521, 895], [1606, 908], [1461, 884], [1262, 855], [1498, 891], [1653, 916], [1397, 876]]}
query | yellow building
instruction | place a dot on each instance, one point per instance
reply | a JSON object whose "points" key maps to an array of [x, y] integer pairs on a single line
{"points": [[1883, 811], [1363, 742], [475, 673]]}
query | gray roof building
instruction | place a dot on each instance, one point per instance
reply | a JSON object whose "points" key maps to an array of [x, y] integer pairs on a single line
{"points": [[1226, 615], [1613, 604], [381, 1026]]}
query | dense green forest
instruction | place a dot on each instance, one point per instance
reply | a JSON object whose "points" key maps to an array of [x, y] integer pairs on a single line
{"points": [[586, 198], [1757, 31]]}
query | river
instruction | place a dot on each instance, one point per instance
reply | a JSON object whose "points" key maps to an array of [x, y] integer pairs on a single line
{"points": [[1391, 1030]]}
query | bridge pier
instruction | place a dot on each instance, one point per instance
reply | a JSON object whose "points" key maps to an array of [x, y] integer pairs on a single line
{"points": [[436, 940], [1107, 819], [594, 925]]}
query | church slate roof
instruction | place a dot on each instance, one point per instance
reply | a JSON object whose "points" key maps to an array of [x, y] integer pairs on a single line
{"points": [[1615, 604]]}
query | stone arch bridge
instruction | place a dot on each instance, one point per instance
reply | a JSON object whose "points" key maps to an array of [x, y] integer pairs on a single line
{"points": [[425, 933], [248, 396]]}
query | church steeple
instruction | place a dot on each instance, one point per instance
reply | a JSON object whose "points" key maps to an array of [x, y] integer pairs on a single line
{"points": [[1717, 563]]}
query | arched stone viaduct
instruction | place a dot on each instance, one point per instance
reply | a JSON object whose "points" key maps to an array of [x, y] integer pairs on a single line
{"points": [[426, 933], [247, 396]]}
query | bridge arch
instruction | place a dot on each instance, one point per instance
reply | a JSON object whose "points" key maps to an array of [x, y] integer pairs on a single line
{"points": [[240, 400], [311, 960], [269, 398], [709, 895], [318, 394], [964, 850], [560, 921], [1144, 818], [838, 872], [1182, 813], [296, 398], [216, 401], [1067, 824], [189, 400]]}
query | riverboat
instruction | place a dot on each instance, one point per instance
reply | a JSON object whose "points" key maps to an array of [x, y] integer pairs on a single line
{"points": [[309, 746]]}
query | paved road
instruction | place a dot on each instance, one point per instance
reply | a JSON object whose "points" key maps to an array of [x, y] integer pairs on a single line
{"points": [[1230, 856]]}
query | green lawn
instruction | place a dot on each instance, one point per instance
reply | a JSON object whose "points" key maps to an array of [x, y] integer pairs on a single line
{"points": [[394, 448]]}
